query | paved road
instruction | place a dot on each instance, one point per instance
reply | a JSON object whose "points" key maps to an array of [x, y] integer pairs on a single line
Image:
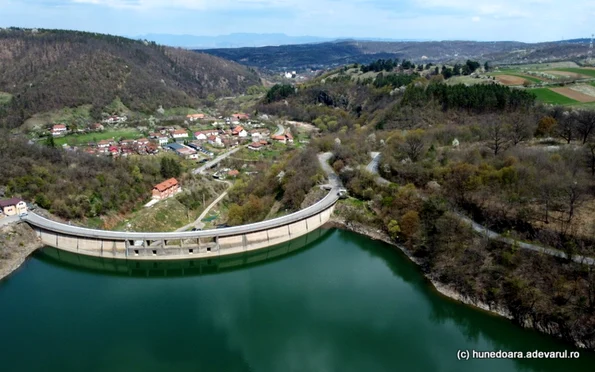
{"points": [[280, 130], [373, 167], [217, 160], [323, 159], [8, 220], [532, 247]]}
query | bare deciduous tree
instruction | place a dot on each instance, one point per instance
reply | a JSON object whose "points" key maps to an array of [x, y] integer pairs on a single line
{"points": [[497, 139], [567, 127], [519, 129], [585, 124]]}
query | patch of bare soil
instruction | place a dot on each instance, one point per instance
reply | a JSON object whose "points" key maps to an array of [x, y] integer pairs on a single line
{"points": [[573, 94], [510, 80]]}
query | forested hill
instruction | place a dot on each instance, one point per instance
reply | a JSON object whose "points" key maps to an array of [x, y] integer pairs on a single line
{"points": [[50, 69]]}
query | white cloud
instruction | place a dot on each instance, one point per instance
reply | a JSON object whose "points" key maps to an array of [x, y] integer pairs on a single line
{"points": [[476, 19]]}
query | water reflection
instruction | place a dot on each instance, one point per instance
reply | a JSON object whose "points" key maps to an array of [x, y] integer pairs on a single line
{"points": [[500, 332], [178, 268], [336, 302]]}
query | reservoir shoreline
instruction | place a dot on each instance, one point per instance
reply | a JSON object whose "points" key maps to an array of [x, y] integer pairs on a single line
{"points": [[449, 291], [19, 241]]}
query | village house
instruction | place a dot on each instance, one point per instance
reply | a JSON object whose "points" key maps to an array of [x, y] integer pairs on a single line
{"points": [[104, 144], [151, 148], [256, 146], [204, 134], [262, 133], [215, 141], [127, 142], [115, 119], [187, 153], [166, 189], [162, 140], [281, 139], [114, 151], [233, 173], [12, 207], [193, 117], [289, 137], [240, 116], [239, 131], [179, 134], [97, 127], [59, 129], [142, 141]]}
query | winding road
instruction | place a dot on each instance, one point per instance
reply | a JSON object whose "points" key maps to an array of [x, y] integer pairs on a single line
{"points": [[280, 130], [373, 168]]}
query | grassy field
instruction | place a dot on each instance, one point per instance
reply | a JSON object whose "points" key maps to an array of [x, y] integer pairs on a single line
{"points": [[79, 139], [547, 96], [5, 98], [66, 115], [272, 151], [582, 71], [584, 105], [167, 215], [180, 111]]}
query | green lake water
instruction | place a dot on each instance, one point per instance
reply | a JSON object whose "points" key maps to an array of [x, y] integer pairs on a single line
{"points": [[331, 301]]}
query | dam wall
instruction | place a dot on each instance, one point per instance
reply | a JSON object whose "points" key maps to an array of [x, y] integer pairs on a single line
{"points": [[211, 244]]}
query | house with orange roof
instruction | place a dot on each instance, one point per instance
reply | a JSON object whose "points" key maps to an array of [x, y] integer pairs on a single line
{"points": [[166, 189], [179, 134], [193, 117]]}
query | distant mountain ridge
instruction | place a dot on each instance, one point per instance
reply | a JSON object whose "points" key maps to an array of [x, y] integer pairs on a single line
{"points": [[240, 40], [45, 70], [234, 40], [336, 53]]}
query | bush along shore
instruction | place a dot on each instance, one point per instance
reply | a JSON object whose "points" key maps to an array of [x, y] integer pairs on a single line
{"points": [[464, 277]]}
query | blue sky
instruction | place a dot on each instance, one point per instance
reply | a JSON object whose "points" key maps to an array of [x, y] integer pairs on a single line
{"points": [[522, 20]]}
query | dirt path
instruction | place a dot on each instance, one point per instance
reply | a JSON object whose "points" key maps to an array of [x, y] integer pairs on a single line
{"points": [[197, 223]]}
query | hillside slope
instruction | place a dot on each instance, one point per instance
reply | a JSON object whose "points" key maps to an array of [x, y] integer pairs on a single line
{"points": [[49, 69]]}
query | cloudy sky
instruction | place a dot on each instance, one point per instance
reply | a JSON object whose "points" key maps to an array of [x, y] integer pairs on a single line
{"points": [[523, 20]]}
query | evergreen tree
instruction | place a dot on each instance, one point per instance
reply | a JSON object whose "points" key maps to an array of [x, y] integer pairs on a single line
{"points": [[50, 141]]}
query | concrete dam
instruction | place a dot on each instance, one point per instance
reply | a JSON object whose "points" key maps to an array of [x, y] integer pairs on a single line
{"points": [[187, 244]]}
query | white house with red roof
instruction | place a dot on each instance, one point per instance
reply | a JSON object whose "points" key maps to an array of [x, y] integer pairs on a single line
{"points": [[59, 129]]}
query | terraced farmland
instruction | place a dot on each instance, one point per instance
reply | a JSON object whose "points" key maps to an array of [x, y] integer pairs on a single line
{"points": [[580, 71], [546, 95]]}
